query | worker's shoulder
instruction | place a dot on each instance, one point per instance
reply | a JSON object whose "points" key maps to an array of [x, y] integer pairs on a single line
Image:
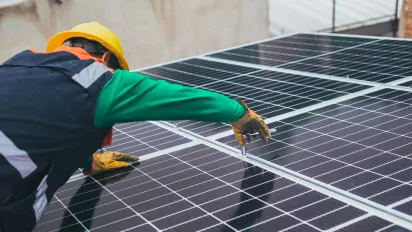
{"points": [[56, 60]]}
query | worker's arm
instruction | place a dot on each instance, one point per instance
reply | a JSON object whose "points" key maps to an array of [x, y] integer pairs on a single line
{"points": [[130, 96]]}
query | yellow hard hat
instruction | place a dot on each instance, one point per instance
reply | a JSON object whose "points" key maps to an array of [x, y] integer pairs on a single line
{"points": [[92, 31]]}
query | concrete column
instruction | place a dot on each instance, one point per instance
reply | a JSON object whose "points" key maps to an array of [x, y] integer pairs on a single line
{"points": [[405, 21]]}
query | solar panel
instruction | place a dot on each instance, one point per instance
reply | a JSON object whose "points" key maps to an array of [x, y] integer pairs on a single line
{"points": [[365, 59], [290, 49], [269, 93], [360, 145], [188, 191], [339, 161], [142, 138]]}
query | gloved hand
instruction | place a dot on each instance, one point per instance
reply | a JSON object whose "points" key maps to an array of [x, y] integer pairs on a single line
{"points": [[250, 122], [107, 161]]}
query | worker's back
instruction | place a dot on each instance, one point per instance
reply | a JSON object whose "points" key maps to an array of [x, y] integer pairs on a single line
{"points": [[47, 106]]}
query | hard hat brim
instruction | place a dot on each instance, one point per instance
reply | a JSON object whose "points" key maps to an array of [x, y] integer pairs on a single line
{"points": [[58, 39]]}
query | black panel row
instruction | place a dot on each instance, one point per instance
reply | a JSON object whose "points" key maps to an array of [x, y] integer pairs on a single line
{"points": [[289, 49], [141, 138], [268, 93], [198, 188], [362, 146], [382, 61], [364, 59]]}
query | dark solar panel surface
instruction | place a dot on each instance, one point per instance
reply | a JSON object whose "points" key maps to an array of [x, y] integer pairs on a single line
{"points": [[364, 59], [268, 93], [198, 188], [362, 146], [141, 138], [289, 49], [373, 223], [379, 61]]}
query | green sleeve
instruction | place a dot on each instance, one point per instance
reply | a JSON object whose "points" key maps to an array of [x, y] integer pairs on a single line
{"points": [[130, 96]]}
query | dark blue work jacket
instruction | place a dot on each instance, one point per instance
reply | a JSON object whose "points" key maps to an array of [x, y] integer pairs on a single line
{"points": [[47, 103]]}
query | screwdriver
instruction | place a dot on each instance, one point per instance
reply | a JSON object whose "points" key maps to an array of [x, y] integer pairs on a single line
{"points": [[243, 148]]}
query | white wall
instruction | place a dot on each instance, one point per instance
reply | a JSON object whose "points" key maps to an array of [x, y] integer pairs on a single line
{"points": [[151, 31], [288, 16]]}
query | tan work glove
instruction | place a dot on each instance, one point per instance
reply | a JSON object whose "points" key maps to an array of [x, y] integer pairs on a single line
{"points": [[250, 122], [108, 161]]}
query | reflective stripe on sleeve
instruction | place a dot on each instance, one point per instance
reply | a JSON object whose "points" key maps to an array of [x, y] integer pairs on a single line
{"points": [[18, 158], [90, 74]]}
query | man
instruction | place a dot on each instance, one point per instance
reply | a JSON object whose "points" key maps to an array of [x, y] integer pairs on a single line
{"points": [[58, 107]]}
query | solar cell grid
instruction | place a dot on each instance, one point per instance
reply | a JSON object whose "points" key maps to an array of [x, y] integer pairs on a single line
{"points": [[269, 93], [367, 59], [289, 49], [361, 63], [141, 138], [360, 146], [175, 192], [372, 223]]}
